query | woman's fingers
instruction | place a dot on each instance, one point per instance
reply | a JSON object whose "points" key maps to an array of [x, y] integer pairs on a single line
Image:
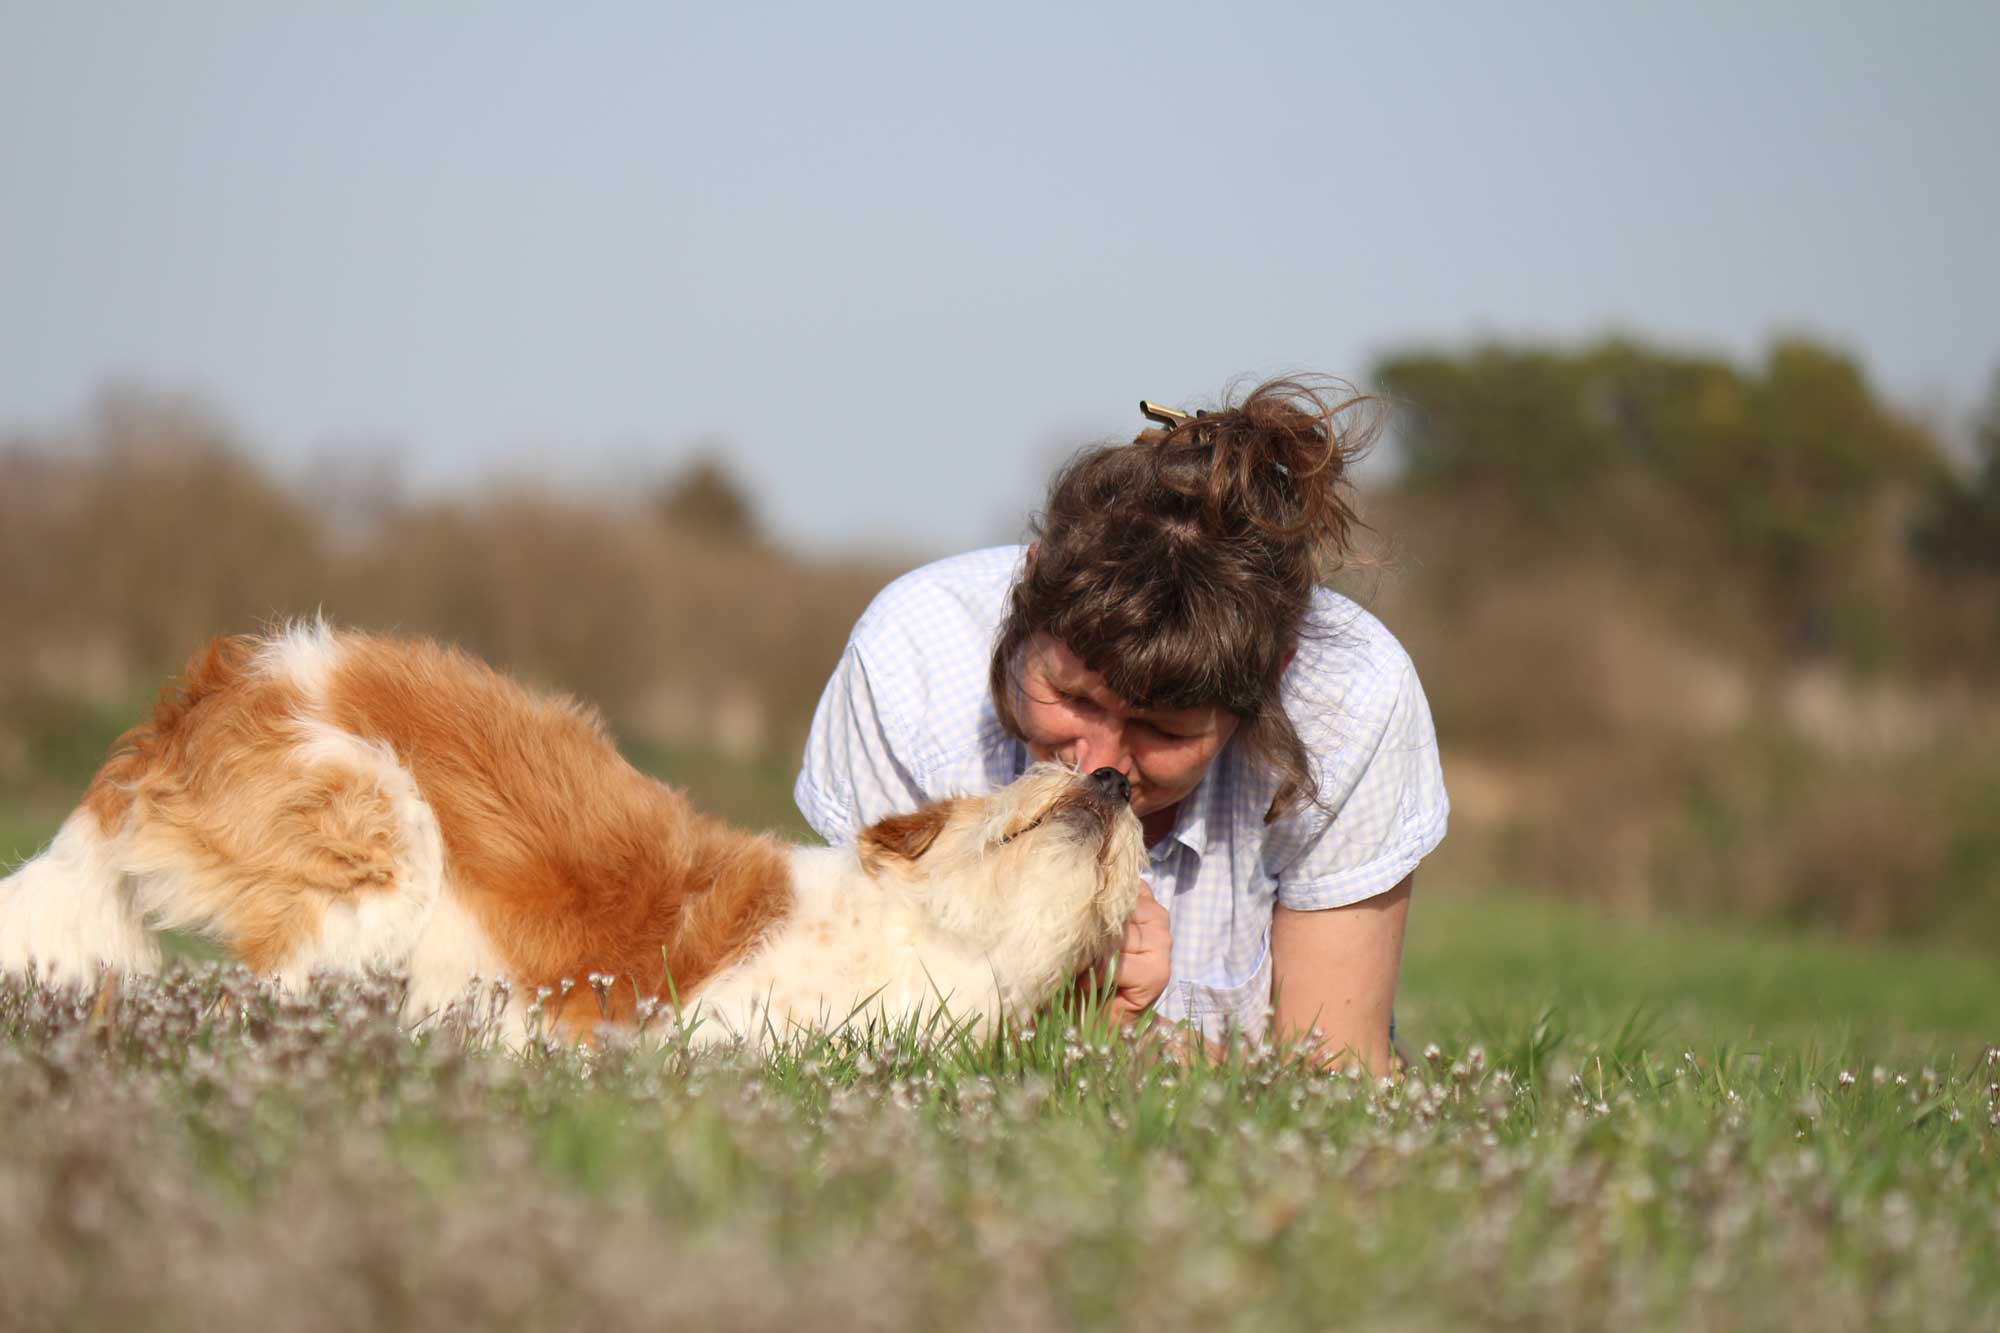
{"points": [[1144, 954]]}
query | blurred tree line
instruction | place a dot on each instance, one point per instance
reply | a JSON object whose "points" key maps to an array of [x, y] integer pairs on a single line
{"points": [[1698, 635], [131, 540], [1960, 533], [1843, 524]]}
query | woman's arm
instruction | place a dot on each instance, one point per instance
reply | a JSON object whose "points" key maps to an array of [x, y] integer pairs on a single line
{"points": [[1334, 971]]}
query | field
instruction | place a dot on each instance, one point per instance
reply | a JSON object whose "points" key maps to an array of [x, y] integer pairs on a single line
{"points": [[1609, 1123]]}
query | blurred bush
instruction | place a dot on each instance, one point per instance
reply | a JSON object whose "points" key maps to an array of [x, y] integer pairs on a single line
{"points": [[131, 542]]}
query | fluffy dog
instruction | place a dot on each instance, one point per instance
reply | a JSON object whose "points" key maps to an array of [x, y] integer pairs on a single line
{"points": [[332, 800]]}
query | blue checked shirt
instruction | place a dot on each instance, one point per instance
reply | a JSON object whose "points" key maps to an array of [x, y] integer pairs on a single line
{"points": [[907, 718]]}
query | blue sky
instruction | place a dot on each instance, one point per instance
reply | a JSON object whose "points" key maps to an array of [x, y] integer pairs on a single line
{"points": [[902, 257]]}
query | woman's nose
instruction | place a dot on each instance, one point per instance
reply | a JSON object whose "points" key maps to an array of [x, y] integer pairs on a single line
{"points": [[1102, 747]]}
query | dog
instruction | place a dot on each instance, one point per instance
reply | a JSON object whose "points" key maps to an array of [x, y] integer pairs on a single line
{"points": [[327, 800]]}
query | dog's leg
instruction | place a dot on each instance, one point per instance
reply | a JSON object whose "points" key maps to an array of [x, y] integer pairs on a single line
{"points": [[69, 910], [312, 852]]}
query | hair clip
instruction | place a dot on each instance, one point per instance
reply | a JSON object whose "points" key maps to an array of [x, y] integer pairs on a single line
{"points": [[1166, 416]]}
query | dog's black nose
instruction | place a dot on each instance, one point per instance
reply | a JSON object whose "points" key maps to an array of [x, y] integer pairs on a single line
{"points": [[1109, 782]]}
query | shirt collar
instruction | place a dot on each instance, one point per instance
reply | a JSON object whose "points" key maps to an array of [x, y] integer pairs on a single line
{"points": [[1198, 811]]}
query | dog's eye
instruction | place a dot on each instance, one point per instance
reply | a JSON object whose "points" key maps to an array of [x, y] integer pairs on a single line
{"points": [[1024, 829]]}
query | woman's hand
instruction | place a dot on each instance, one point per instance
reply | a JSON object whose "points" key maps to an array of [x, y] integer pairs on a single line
{"points": [[1140, 971]]}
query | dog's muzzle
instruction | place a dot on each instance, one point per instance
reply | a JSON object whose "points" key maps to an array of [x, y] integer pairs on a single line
{"points": [[1111, 785]]}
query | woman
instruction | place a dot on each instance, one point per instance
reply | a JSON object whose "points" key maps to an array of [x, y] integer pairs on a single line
{"points": [[1168, 621]]}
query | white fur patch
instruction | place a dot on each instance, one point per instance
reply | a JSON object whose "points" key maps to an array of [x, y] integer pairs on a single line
{"points": [[454, 963], [70, 910], [306, 652]]}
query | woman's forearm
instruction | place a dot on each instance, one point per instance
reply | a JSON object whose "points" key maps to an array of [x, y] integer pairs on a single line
{"points": [[1334, 976]]}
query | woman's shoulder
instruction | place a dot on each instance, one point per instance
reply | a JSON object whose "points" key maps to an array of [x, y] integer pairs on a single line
{"points": [[1351, 683], [923, 647], [960, 597], [1343, 645]]}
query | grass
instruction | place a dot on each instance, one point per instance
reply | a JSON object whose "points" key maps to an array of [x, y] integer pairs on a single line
{"points": [[1487, 964], [212, 1153], [1609, 1123], [23, 831], [753, 793]]}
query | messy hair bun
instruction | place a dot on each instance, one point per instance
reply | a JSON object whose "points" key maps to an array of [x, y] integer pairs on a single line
{"points": [[1277, 461], [1181, 566]]}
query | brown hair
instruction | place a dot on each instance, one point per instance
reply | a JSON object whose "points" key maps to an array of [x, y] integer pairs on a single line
{"points": [[1180, 567]]}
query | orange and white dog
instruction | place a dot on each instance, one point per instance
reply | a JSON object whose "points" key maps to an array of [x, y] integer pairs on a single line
{"points": [[327, 800]]}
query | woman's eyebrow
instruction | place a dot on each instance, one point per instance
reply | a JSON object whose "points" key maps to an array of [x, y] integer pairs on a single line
{"points": [[1185, 718], [1083, 689], [1181, 719]]}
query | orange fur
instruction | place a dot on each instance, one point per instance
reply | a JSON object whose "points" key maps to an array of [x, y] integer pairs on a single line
{"points": [[572, 860], [903, 837]]}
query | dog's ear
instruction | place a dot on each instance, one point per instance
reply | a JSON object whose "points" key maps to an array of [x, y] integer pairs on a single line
{"points": [[902, 838]]}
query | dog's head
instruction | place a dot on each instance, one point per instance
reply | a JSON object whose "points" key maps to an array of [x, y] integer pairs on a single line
{"points": [[1042, 872]]}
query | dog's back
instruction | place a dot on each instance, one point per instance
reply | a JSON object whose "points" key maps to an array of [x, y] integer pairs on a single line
{"points": [[568, 856]]}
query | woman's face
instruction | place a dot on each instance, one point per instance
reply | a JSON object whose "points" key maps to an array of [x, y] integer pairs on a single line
{"points": [[1067, 714]]}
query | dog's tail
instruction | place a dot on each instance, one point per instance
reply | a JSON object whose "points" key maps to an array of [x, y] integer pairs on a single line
{"points": [[70, 910]]}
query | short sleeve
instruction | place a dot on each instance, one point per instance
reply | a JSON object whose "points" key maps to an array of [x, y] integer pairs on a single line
{"points": [[851, 775], [1394, 808]]}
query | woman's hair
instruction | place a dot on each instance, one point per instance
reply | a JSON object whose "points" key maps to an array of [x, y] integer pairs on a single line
{"points": [[1180, 567]]}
